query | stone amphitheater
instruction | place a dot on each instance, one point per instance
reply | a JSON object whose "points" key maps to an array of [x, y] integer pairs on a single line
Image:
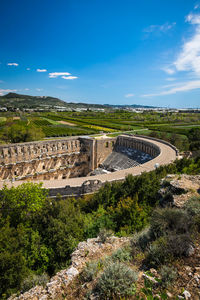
{"points": [[79, 165]]}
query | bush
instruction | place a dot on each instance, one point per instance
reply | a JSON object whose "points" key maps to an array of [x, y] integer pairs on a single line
{"points": [[166, 220], [121, 255], [116, 281], [142, 239], [91, 270], [197, 222], [178, 245], [34, 280], [104, 234], [168, 275], [192, 206], [158, 253], [168, 247]]}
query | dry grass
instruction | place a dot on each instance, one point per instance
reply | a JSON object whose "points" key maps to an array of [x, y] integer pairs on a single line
{"points": [[66, 123]]}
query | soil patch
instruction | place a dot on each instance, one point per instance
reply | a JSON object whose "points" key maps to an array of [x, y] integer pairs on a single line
{"points": [[66, 123]]}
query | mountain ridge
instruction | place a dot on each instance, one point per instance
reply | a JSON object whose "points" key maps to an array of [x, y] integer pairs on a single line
{"points": [[15, 100]]}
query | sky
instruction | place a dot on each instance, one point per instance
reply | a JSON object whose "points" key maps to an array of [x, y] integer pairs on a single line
{"points": [[102, 51]]}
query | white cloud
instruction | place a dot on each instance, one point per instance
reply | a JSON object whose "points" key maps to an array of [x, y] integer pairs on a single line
{"points": [[5, 91], [168, 70], [39, 90], [170, 79], [181, 87], [28, 69], [57, 74], [41, 70], [27, 89], [193, 19], [129, 95], [189, 57], [196, 6], [160, 28], [69, 77], [12, 64], [1, 81]]}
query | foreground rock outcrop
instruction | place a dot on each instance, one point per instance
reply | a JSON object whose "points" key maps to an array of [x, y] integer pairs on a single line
{"points": [[86, 251], [177, 189]]}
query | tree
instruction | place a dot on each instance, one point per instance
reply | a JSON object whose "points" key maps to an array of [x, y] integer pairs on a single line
{"points": [[17, 133], [194, 134], [12, 262], [20, 203]]}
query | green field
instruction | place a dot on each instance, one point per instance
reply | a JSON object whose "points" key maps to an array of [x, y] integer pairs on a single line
{"points": [[174, 127], [2, 119]]}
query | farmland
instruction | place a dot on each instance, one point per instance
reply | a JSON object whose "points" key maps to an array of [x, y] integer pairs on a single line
{"points": [[174, 127]]}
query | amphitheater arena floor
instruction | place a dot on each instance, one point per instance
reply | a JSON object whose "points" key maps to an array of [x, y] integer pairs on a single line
{"points": [[166, 156]]}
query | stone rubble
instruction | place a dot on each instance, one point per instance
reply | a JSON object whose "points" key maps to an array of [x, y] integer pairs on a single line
{"points": [[177, 189], [85, 251], [186, 295]]}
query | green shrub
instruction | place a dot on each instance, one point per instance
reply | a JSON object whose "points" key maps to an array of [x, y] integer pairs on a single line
{"points": [[158, 253], [121, 255], [104, 234], [167, 248], [178, 245], [116, 281], [197, 222], [142, 239], [90, 271], [33, 280], [192, 206], [166, 220], [168, 275]]}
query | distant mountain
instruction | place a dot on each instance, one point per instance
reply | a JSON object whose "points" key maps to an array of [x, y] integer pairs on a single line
{"points": [[25, 101], [20, 101], [131, 106]]}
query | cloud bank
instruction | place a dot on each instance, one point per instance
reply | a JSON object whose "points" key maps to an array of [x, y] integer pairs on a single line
{"points": [[5, 91], [189, 57], [41, 70], [160, 28], [57, 74], [129, 95], [181, 87], [69, 77], [12, 64]]}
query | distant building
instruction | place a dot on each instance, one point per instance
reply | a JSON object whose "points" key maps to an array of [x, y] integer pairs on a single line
{"points": [[3, 108]]}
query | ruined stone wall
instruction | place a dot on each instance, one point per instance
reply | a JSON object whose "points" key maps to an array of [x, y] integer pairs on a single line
{"points": [[159, 140], [45, 160], [69, 171], [138, 144], [87, 187], [63, 158], [102, 149], [88, 145]]}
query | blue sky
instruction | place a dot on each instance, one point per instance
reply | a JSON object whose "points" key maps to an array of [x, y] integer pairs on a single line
{"points": [[97, 51]]}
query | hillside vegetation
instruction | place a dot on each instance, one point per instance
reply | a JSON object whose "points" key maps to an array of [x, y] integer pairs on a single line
{"points": [[20, 101], [38, 235], [25, 101]]}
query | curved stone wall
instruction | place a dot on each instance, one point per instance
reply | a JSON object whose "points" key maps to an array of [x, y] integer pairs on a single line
{"points": [[142, 145], [44, 160], [76, 157]]}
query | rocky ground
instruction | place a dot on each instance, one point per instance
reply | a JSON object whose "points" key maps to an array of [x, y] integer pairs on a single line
{"points": [[56, 288], [66, 284], [177, 189]]}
